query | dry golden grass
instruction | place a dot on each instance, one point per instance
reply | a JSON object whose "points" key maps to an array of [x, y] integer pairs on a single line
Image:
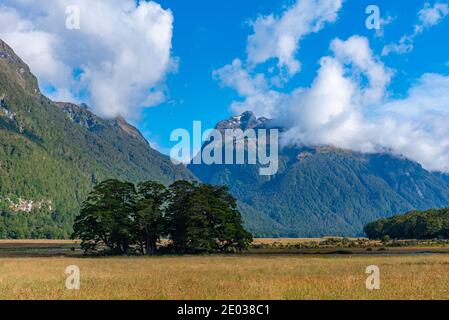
{"points": [[227, 277]]}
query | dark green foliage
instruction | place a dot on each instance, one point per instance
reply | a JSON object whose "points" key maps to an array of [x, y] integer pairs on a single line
{"points": [[204, 218], [430, 224], [58, 152], [150, 223], [197, 218], [180, 195], [39, 225], [107, 218]]}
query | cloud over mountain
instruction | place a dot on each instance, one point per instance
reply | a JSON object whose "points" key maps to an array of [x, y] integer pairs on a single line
{"points": [[117, 60], [349, 105]]}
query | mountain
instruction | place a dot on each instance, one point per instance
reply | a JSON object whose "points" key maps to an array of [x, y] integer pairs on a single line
{"points": [[321, 191], [52, 153], [247, 120]]}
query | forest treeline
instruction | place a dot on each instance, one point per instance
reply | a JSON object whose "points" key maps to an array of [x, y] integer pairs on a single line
{"points": [[122, 218], [429, 224]]}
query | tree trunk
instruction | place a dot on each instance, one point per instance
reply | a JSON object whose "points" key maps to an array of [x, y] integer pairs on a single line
{"points": [[151, 247], [142, 249]]}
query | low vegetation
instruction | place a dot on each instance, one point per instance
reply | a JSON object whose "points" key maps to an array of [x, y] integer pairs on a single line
{"points": [[120, 218]]}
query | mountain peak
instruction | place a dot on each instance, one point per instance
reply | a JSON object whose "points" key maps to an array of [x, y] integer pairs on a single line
{"points": [[246, 120], [83, 116], [128, 128], [11, 63], [7, 53], [79, 114]]}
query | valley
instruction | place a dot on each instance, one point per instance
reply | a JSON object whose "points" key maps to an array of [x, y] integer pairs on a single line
{"points": [[53, 153], [214, 159]]}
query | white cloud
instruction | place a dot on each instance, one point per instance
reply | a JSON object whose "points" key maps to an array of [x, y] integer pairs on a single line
{"points": [[118, 58], [348, 106], [274, 37], [383, 23], [405, 45], [414, 127], [36, 47], [255, 89], [428, 17], [236, 76], [325, 115], [264, 101], [279, 37], [356, 51], [313, 113], [418, 123]]}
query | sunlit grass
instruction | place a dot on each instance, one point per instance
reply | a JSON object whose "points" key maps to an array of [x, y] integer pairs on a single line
{"points": [[227, 277]]}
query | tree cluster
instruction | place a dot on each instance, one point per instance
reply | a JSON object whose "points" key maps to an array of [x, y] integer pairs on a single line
{"points": [[430, 224], [121, 218]]}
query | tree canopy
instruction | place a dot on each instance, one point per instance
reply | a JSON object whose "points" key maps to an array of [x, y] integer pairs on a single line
{"points": [[430, 224], [204, 218], [121, 218]]}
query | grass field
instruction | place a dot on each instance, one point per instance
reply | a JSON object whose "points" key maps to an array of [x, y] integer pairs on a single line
{"points": [[27, 273]]}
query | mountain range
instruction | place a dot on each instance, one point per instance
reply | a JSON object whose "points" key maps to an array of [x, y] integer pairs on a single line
{"points": [[321, 190], [52, 153]]}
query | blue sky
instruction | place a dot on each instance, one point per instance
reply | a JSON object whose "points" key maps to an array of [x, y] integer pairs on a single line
{"points": [[210, 34], [313, 65], [207, 36]]}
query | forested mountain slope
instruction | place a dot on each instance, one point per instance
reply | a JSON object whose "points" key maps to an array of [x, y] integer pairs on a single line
{"points": [[323, 191], [51, 154]]}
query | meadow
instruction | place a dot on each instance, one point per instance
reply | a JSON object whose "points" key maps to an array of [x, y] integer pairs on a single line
{"points": [[36, 270]]}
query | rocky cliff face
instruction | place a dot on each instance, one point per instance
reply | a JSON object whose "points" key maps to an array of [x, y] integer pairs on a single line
{"points": [[83, 116], [245, 121]]}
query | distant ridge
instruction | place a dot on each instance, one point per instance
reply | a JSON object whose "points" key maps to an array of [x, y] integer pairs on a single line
{"points": [[321, 191]]}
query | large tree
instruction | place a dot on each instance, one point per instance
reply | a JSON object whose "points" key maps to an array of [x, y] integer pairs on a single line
{"points": [[178, 212], [149, 221], [125, 219], [106, 218], [204, 218]]}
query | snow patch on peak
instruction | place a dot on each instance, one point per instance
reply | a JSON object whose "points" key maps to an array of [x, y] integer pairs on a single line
{"points": [[246, 120]]}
